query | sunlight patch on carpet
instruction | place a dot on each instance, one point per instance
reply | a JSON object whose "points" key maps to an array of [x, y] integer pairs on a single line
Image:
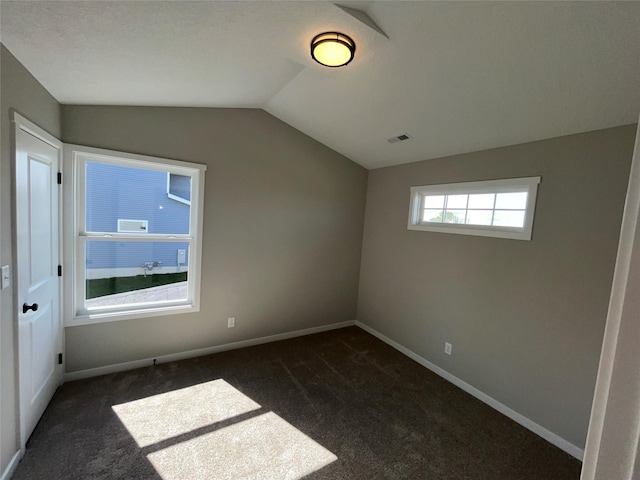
{"points": [[160, 417], [182, 431], [265, 446]]}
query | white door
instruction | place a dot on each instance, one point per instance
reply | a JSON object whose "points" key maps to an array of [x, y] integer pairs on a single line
{"points": [[39, 328]]}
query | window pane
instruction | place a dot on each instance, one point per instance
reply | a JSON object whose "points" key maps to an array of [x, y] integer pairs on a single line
{"points": [[135, 199], [433, 201], [434, 216], [509, 218], [481, 200], [456, 201], [455, 216], [124, 273], [479, 217], [515, 201]]}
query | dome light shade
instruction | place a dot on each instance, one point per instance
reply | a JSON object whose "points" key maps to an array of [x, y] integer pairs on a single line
{"points": [[332, 49]]}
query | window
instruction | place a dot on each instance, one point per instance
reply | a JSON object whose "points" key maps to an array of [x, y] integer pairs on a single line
{"points": [[126, 225], [179, 187], [494, 208], [137, 235]]}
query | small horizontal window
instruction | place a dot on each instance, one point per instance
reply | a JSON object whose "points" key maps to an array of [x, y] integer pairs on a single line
{"points": [[126, 225], [493, 208]]}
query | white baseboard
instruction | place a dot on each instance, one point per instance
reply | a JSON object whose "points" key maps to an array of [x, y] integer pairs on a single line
{"points": [[539, 430], [121, 367], [11, 468]]}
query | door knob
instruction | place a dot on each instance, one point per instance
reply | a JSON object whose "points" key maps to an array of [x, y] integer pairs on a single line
{"points": [[26, 308]]}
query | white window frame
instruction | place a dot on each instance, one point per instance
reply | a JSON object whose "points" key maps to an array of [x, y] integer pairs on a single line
{"points": [[76, 157], [528, 184]]}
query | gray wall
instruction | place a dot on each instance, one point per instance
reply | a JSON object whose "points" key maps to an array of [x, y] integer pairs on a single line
{"points": [[22, 93], [526, 319], [283, 223]]}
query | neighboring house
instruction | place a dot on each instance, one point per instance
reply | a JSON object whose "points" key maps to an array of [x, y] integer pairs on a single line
{"points": [[133, 200]]}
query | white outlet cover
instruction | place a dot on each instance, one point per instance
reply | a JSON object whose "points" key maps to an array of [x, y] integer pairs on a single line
{"points": [[447, 348], [6, 276], [231, 322]]}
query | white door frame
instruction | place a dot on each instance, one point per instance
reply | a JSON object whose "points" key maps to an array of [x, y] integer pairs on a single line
{"points": [[612, 449], [1, 472], [21, 123]]}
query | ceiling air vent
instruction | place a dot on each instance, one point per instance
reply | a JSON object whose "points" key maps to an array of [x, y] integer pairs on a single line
{"points": [[399, 138]]}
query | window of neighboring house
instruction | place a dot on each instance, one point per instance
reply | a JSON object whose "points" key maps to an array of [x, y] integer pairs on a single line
{"points": [[179, 187], [493, 208], [136, 248]]}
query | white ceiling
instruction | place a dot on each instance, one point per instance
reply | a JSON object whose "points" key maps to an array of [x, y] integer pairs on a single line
{"points": [[456, 76]]}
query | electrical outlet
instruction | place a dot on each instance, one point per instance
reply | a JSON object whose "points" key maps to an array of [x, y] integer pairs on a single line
{"points": [[447, 348], [231, 322]]}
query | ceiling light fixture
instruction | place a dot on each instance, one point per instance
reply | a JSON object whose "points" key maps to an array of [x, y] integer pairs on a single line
{"points": [[332, 49]]}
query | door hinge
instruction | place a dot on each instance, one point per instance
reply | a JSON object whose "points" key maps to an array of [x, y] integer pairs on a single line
{"points": [[59, 359], [59, 178], [59, 270]]}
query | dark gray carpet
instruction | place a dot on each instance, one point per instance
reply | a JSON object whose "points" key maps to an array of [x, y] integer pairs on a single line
{"points": [[350, 406]]}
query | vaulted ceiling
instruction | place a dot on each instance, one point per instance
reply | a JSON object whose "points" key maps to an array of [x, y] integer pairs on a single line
{"points": [[455, 76]]}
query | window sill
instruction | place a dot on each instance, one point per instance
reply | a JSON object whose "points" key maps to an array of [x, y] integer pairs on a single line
{"points": [[103, 317], [513, 234]]}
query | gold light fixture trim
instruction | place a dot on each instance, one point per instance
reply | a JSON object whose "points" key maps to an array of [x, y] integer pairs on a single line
{"points": [[333, 49]]}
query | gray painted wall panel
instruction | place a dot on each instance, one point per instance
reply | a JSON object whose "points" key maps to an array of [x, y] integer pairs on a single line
{"points": [[526, 319], [283, 221], [20, 92]]}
